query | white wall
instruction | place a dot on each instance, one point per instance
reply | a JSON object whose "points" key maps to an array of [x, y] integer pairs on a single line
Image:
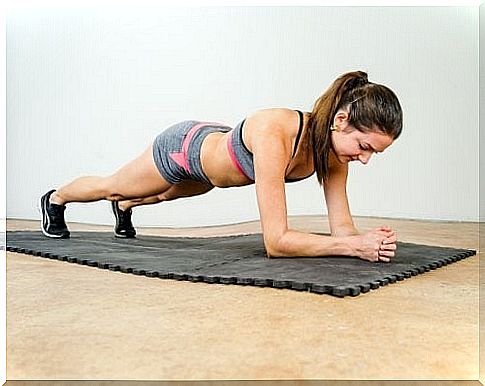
{"points": [[88, 90]]}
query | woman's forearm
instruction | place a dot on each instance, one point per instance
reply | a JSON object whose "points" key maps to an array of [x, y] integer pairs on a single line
{"points": [[295, 243]]}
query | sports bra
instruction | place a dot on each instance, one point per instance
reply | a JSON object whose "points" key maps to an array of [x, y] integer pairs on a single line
{"points": [[243, 158]]}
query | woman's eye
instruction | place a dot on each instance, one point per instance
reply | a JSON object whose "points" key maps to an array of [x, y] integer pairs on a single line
{"points": [[362, 147]]}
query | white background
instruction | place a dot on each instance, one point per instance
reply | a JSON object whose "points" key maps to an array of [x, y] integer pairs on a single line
{"points": [[88, 90]]}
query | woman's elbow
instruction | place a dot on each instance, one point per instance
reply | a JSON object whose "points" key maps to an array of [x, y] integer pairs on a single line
{"points": [[275, 246]]}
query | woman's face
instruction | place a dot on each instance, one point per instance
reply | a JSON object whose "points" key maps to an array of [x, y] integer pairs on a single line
{"points": [[350, 144]]}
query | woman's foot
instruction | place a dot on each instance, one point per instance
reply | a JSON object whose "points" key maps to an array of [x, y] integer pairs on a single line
{"points": [[52, 223], [124, 227]]}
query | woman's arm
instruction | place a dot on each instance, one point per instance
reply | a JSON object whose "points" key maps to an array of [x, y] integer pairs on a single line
{"points": [[272, 153], [340, 219], [335, 190]]}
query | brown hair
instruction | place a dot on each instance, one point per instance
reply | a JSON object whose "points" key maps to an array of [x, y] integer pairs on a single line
{"points": [[369, 104]]}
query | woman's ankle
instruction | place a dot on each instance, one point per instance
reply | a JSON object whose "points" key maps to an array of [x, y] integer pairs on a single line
{"points": [[56, 199], [124, 205]]}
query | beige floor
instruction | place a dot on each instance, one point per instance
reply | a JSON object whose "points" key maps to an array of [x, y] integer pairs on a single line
{"points": [[66, 321]]}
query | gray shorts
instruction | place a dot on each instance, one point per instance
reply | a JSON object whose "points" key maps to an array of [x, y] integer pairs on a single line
{"points": [[176, 151]]}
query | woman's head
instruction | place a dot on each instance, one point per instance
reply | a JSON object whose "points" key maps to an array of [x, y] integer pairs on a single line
{"points": [[350, 118]]}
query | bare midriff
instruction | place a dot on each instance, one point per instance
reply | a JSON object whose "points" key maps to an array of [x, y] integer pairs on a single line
{"points": [[218, 165]]}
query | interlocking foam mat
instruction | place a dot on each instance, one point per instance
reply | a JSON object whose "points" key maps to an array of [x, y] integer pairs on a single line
{"points": [[237, 260]]}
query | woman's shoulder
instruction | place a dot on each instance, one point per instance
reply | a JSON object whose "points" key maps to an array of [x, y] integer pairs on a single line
{"points": [[275, 115], [276, 120]]}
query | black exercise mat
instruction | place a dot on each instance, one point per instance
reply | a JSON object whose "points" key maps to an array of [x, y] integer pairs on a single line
{"points": [[233, 260]]}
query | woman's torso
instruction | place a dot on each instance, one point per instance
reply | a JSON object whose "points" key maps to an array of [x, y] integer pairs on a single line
{"points": [[221, 169]]}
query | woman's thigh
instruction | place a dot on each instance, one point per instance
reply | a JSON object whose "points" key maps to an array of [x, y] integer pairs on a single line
{"points": [[138, 178]]}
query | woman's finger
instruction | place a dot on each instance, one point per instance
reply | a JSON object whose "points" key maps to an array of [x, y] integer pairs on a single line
{"points": [[388, 247], [386, 229], [390, 240], [386, 232], [386, 253], [383, 258]]}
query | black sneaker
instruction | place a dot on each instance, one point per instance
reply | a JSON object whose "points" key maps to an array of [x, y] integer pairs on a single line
{"points": [[124, 227], [53, 224]]}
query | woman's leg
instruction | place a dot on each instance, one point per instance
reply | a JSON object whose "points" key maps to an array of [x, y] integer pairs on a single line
{"points": [[138, 178], [122, 209], [182, 189]]}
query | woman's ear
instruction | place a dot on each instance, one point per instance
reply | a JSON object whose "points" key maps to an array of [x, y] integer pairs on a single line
{"points": [[341, 119]]}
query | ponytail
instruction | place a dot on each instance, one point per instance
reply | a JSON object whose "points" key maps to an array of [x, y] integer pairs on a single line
{"points": [[322, 116]]}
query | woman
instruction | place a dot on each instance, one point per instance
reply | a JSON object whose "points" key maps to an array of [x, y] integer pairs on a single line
{"points": [[352, 120]]}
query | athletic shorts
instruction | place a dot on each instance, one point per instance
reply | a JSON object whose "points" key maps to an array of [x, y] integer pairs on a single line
{"points": [[176, 151]]}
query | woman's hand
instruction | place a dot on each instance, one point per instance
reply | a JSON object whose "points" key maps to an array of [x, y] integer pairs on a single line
{"points": [[378, 244]]}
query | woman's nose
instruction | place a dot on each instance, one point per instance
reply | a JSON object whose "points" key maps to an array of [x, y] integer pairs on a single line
{"points": [[364, 158]]}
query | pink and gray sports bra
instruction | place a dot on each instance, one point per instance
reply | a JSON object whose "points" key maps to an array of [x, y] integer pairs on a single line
{"points": [[243, 158]]}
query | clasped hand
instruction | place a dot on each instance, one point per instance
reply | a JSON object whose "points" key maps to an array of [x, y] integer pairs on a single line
{"points": [[378, 244]]}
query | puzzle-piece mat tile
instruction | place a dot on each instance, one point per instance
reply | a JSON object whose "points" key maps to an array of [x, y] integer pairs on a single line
{"points": [[239, 260]]}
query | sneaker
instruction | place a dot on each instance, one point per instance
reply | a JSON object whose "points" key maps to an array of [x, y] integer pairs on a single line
{"points": [[124, 227], [53, 224]]}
